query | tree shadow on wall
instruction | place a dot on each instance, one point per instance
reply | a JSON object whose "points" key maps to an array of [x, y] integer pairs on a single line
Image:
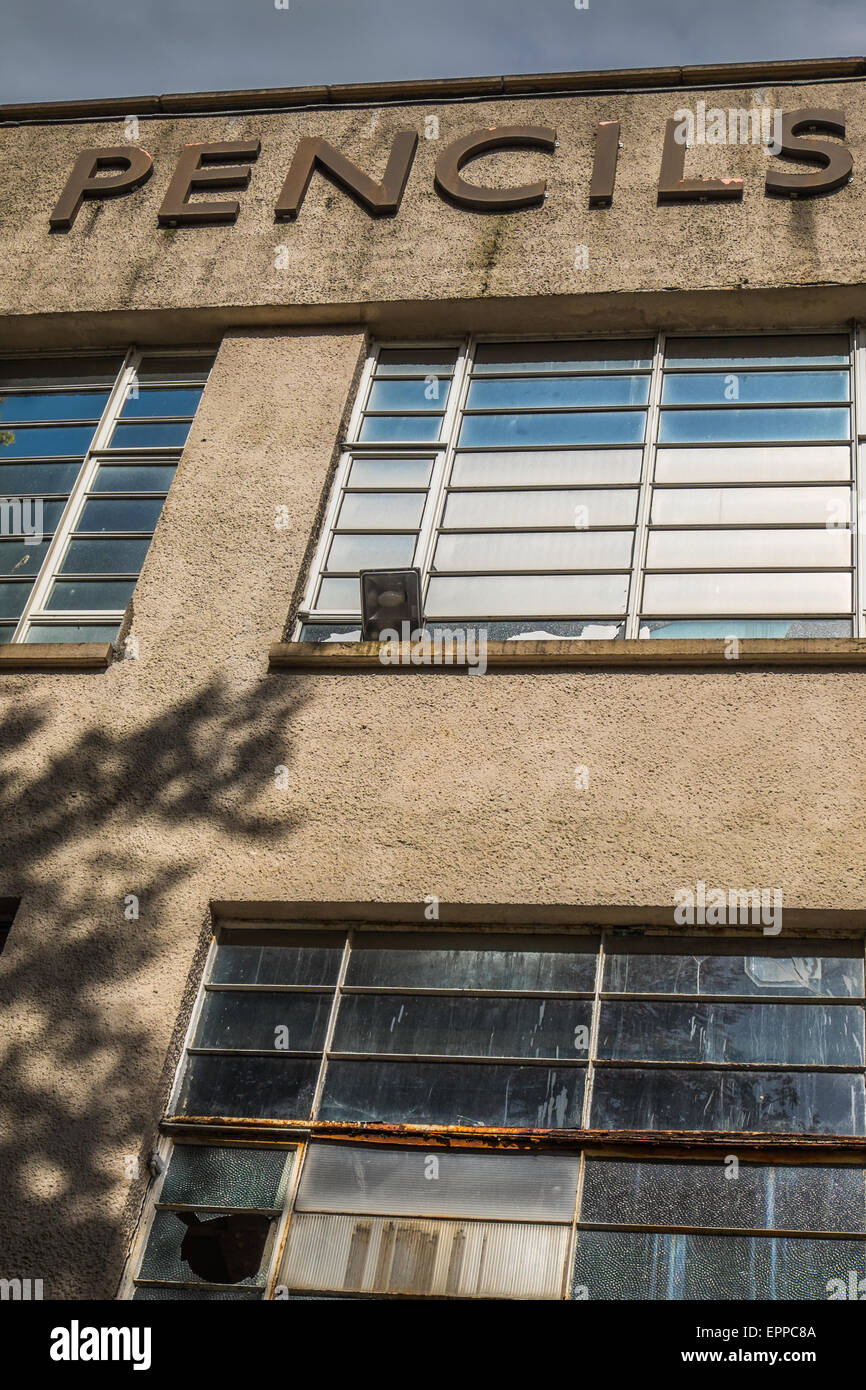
{"points": [[78, 1104]]}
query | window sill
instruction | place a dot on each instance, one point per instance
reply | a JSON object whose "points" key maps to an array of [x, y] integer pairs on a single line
{"points": [[55, 656], [643, 653]]}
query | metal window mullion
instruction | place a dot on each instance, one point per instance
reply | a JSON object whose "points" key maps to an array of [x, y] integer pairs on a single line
{"points": [[595, 1021], [653, 409], [438, 486], [858, 476], [77, 497], [332, 1025]]}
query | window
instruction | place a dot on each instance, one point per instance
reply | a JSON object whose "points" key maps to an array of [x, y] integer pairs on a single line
{"points": [[88, 448], [337, 1061], [637, 487]]}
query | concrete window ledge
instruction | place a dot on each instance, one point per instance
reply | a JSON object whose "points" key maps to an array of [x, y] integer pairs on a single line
{"points": [[55, 656], [679, 653]]}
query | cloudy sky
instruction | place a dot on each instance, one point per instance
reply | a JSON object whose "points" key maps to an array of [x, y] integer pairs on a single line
{"points": [[61, 49]]}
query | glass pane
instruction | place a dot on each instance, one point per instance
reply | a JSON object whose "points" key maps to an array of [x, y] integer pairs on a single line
{"points": [[378, 510], [53, 405], [199, 1175], [801, 1198], [33, 441], [7, 632], [463, 1259], [13, 596], [457, 1093], [446, 961], [769, 1102], [760, 350], [134, 477], [51, 513], [135, 436], [90, 595], [541, 392], [694, 549], [426, 393], [711, 388], [514, 510], [561, 356], [161, 400], [339, 595], [105, 557], [72, 632], [80, 369], [581, 427], [726, 506], [282, 1020], [22, 557], [121, 514], [794, 1033], [423, 360], [552, 550], [165, 367], [529, 594], [463, 1026], [370, 552], [522, 1187], [748, 627], [747, 593], [385, 473], [276, 958], [633, 1265], [687, 426], [255, 1088], [397, 428], [560, 467], [226, 1249], [660, 972], [37, 479], [802, 463], [552, 630]]}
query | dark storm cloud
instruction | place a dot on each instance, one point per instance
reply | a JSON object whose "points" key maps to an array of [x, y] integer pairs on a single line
{"points": [[57, 49]]}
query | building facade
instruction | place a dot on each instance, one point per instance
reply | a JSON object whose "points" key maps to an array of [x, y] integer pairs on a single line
{"points": [[521, 960]]}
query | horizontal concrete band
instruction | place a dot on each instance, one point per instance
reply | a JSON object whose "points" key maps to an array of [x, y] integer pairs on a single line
{"points": [[443, 89], [55, 656], [682, 653]]}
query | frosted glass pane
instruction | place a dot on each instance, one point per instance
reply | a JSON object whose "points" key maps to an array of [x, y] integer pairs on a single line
{"points": [[787, 1198], [718, 506], [747, 593], [553, 550], [350, 552], [518, 509], [800, 463], [227, 1249], [549, 392], [385, 473], [502, 595], [813, 422], [340, 594], [199, 1175], [719, 388], [394, 1182], [694, 549], [381, 510], [493, 358], [764, 349], [821, 1035], [632, 1265], [560, 467], [747, 627], [466, 1259]]}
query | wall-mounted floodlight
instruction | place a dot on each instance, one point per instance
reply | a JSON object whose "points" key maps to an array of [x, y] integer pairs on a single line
{"points": [[390, 600]]}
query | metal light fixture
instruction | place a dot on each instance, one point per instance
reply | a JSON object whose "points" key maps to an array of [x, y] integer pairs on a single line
{"points": [[390, 601]]}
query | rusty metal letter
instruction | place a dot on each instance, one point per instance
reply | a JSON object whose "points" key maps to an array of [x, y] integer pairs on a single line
{"points": [[379, 199], [134, 163], [836, 160], [673, 188], [469, 147], [191, 173]]}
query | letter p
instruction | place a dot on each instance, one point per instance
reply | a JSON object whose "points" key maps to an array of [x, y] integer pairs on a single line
{"points": [[133, 163]]}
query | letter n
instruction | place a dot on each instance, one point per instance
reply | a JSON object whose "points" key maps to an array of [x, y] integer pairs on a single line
{"points": [[379, 199]]}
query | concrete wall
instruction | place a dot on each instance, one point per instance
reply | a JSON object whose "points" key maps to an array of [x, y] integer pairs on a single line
{"points": [[156, 777]]}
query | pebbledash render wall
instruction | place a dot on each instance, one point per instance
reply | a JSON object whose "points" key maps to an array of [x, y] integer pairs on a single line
{"points": [[156, 776]]}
